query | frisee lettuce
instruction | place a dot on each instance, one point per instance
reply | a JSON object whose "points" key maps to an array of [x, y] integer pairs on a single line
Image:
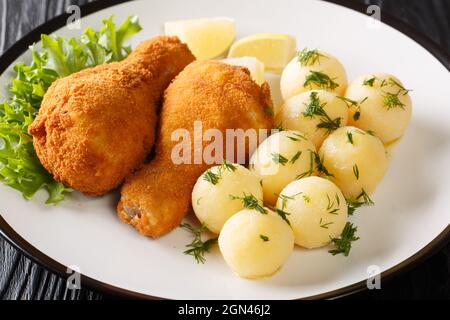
{"points": [[19, 165]]}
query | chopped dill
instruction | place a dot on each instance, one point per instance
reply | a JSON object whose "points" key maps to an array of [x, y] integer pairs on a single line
{"points": [[321, 80], [198, 247], [343, 244], [356, 171], [279, 159], [296, 156], [309, 57], [250, 202]]}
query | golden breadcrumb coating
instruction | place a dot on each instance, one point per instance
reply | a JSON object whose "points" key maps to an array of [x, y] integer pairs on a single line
{"points": [[156, 198], [96, 126]]}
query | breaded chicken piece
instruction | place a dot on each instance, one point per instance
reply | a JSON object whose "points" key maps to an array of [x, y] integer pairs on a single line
{"points": [[96, 126], [155, 199]]}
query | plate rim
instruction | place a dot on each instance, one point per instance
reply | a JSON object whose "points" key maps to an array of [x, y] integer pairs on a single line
{"points": [[26, 248]]}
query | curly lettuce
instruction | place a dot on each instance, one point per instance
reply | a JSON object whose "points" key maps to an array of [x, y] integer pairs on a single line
{"points": [[19, 165]]}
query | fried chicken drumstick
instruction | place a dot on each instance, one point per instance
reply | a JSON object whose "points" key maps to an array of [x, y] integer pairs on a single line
{"points": [[96, 126], [156, 198]]}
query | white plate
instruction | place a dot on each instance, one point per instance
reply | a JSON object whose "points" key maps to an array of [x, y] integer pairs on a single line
{"points": [[412, 202]]}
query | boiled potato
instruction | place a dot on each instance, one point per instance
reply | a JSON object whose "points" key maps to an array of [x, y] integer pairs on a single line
{"points": [[313, 69], [316, 113], [316, 210], [255, 245], [280, 159], [212, 196], [384, 105], [356, 160]]}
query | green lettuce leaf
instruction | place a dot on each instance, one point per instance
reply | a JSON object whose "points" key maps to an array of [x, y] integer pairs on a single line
{"points": [[19, 165]]}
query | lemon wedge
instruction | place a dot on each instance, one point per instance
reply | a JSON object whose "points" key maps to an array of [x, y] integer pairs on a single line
{"points": [[255, 67], [207, 38], [274, 50]]}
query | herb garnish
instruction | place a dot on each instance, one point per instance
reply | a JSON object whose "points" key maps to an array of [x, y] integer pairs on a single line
{"points": [[250, 202], [352, 103], [324, 225], [356, 171], [318, 162], [343, 244], [332, 203], [213, 177], [264, 238], [369, 82], [309, 57], [350, 137], [296, 156], [279, 159], [281, 212], [391, 100], [362, 199], [297, 137], [316, 108], [198, 247], [321, 80]]}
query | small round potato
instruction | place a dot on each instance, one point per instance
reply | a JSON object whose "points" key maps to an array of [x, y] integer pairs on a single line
{"points": [[313, 69], [356, 159], [316, 113], [384, 105], [212, 196], [256, 245], [280, 159], [316, 209]]}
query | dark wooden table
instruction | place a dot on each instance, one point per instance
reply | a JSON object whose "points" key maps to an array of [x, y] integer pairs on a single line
{"points": [[20, 278]]}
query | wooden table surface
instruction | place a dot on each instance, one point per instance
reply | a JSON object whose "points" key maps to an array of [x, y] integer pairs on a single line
{"points": [[20, 278]]}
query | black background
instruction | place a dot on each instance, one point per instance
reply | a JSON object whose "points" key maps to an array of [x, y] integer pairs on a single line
{"points": [[20, 278]]}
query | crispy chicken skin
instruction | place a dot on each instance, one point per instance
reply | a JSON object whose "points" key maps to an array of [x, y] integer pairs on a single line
{"points": [[96, 126], [156, 198]]}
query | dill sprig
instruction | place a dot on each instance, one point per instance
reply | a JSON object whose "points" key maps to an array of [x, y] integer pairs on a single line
{"points": [[281, 212], [353, 104], [343, 244], [250, 202], [369, 82], [321, 80], [393, 83], [297, 137], [213, 177], [391, 100], [320, 166], [228, 166], [333, 205], [324, 224], [316, 108], [356, 171], [315, 161], [309, 57], [309, 172], [295, 157], [279, 158], [362, 199], [198, 247], [350, 137]]}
